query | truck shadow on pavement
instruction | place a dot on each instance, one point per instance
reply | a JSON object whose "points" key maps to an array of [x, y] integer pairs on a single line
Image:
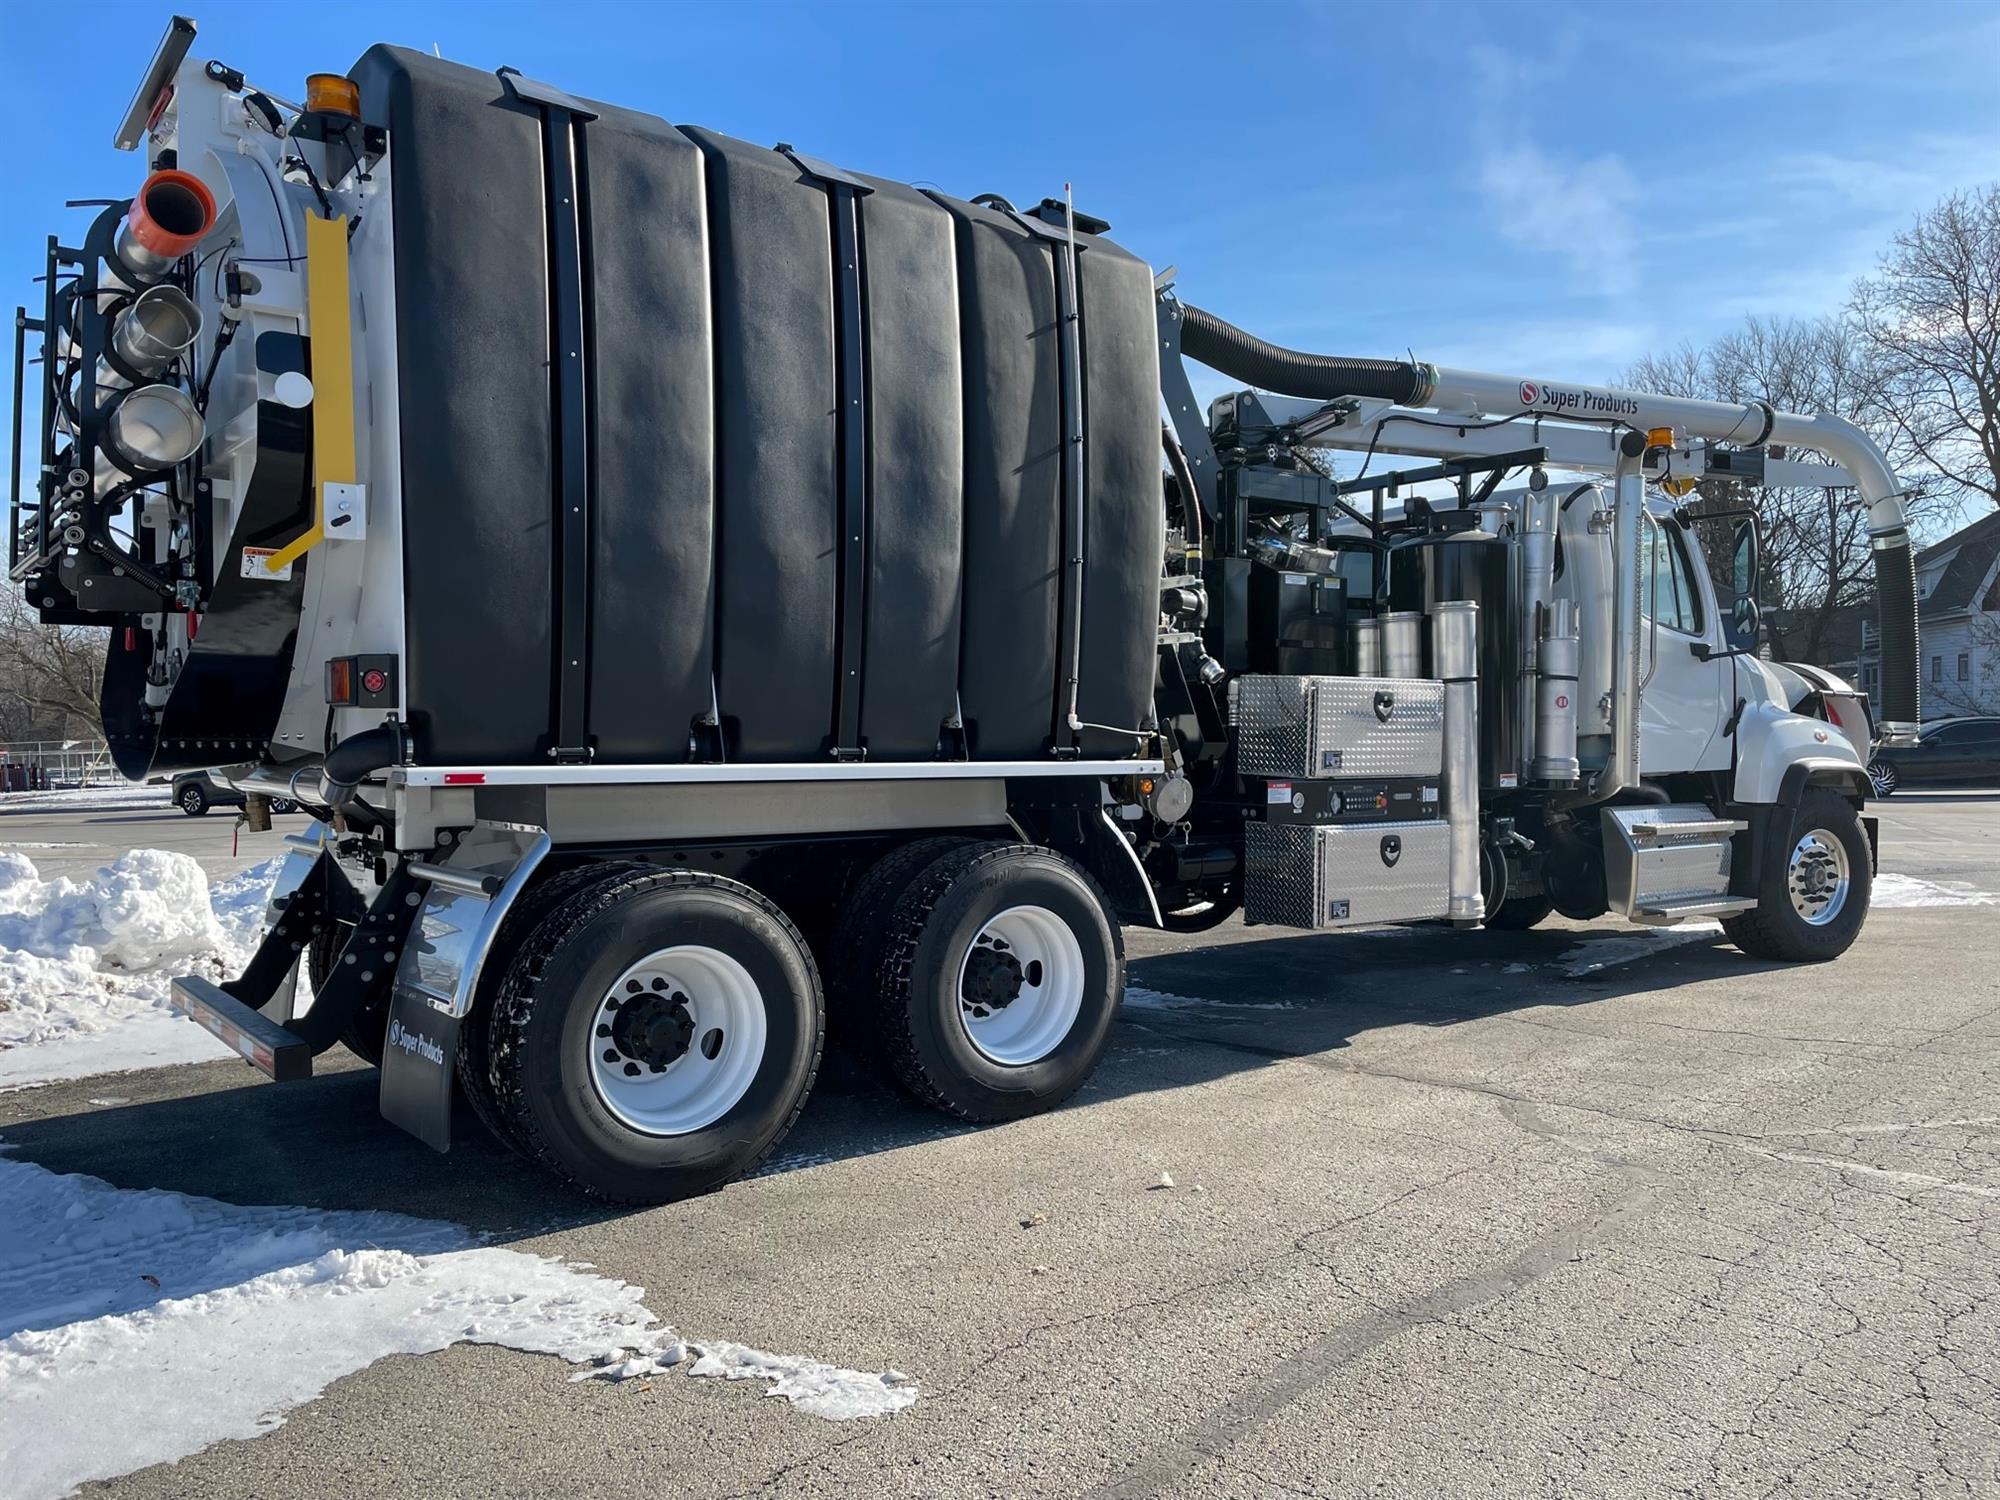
{"points": [[1197, 1010]]}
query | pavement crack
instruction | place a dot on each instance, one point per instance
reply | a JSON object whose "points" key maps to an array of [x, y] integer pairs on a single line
{"points": [[1312, 1366]]}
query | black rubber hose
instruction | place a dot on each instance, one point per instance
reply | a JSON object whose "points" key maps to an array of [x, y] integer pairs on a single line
{"points": [[1896, 605], [1184, 482], [1315, 377], [350, 762]]}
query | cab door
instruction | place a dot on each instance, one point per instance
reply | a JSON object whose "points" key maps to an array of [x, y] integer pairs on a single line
{"points": [[1681, 705]]}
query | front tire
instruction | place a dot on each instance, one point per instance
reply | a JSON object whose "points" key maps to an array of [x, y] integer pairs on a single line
{"points": [[193, 801], [1813, 889], [997, 981], [656, 1035]]}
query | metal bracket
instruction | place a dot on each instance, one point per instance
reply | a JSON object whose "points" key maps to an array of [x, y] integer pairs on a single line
{"points": [[534, 91], [1190, 423]]}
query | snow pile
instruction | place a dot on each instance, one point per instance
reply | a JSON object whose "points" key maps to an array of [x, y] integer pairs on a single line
{"points": [[85, 966], [214, 1320]]}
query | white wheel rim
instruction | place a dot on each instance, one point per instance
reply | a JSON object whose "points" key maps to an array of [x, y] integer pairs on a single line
{"points": [[1882, 776], [1817, 878], [677, 1040], [1020, 985]]}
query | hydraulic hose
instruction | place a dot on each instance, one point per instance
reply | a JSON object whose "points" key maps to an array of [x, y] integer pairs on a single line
{"points": [[1896, 603], [1314, 377]]}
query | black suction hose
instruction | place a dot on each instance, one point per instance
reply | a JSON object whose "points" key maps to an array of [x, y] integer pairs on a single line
{"points": [[351, 762], [1315, 377], [1896, 603]]}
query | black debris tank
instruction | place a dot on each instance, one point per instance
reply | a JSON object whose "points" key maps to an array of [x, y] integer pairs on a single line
{"points": [[826, 499], [1426, 571]]}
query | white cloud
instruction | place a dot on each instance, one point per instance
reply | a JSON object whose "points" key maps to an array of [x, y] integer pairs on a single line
{"points": [[1578, 213]]}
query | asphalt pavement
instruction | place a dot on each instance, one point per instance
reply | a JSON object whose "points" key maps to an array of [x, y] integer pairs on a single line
{"points": [[1585, 1211]]}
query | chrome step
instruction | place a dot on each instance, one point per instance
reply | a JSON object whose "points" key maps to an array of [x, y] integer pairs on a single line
{"points": [[1707, 830], [1659, 913]]}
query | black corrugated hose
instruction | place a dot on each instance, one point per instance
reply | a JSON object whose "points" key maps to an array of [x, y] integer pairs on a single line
{"points": [[1896, 603], [358, 756], [1314, 377]]}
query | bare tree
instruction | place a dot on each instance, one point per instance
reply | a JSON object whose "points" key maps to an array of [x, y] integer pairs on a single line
{"points": [[1931, 320], [49, 675]]}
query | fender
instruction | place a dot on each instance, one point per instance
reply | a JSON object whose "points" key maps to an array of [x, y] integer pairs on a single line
{"points": [[1773, 742]]}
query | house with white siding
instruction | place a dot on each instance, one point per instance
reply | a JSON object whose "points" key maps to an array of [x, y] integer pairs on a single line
{"points": [[1958, 622]]}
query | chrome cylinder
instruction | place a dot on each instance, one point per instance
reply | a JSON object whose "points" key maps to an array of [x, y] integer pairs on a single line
{"points": [[1455, 651], [149, 334], [1555, 698], [1539, 510], [1367, 635], [154, 427], [1402, 643]]}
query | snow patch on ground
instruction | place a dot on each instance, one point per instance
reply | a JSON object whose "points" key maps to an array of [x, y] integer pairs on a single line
{"points": [[1907, 890], [112, 796], [85, 966], [1630, 944], [137, 1327]]}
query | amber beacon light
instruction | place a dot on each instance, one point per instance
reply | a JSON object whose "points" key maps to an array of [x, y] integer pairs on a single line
{"points": [[333, 94]]}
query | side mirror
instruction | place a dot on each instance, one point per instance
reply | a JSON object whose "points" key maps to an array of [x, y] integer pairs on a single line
{"points": [[1745, 616]]}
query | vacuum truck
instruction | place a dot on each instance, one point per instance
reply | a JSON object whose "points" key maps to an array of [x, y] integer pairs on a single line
{"points": [[701, 591]]}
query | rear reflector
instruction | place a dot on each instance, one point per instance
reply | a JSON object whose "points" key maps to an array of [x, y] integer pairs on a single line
{"points": [[465, 778]]}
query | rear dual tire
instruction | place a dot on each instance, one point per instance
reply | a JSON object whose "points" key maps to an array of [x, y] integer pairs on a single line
{"points": [[984, 976], [653, 1035]]}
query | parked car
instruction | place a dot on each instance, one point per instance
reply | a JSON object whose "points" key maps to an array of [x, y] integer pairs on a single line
{"points": [[1953, 751], [195, 792]]}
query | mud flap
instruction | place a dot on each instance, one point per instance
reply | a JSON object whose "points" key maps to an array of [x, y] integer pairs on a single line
{"points": [[437, 976], [419, 1064]]}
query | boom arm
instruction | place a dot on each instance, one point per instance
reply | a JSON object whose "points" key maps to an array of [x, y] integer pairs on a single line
{"points": [[1451, 412]]}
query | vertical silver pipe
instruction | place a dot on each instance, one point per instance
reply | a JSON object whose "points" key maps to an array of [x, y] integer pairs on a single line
{"points": [[1628, 525], [1455, 651], [1367, 632], [1538, 574]]}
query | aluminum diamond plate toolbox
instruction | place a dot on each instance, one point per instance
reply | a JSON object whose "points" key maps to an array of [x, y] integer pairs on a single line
{"points": [[1314, 876], [1339, 726]]}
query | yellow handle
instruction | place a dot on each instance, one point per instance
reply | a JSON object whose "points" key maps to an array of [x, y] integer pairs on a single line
{"points": [[327, 321]]}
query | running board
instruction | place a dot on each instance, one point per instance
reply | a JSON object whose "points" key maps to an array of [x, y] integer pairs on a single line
{"points": [[1677, 908], [278, 1054]]}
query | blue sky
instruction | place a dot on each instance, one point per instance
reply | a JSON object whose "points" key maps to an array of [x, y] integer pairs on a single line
{"points": [[1528, 188]]}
